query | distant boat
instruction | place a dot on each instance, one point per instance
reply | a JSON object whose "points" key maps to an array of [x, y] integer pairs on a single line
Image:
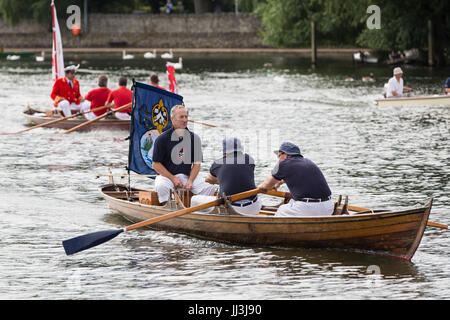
{"points": [[167, 55], [177, 65], [150, 55], [126, 56], [407, 56], [432, 100], [364, 57]]}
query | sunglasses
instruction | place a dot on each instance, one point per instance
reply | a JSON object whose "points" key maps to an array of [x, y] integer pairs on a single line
{"points": [[280, 153]]}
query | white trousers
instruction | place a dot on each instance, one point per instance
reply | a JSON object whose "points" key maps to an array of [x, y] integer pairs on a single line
{"points": [[122, 115], [300, 208], [66, 107], [163, 186], [252, 209]]}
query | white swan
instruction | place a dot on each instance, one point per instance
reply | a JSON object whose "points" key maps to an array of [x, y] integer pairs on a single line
{"points": [[126, 56], [167, 55], [41, 57], [177, 65], [12, 57], [150, 55]]}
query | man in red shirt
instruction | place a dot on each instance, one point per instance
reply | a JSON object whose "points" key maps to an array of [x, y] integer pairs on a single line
{"points": [[121, 97], [66, 93], [154, 81], [98, 97]]}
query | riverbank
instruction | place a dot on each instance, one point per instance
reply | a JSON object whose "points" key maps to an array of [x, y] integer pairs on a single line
{"points": [[192, 50]]}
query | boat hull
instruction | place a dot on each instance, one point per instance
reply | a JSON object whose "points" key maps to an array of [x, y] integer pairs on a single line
{"points": [[34, 119], [396, 234], [438, 100]]}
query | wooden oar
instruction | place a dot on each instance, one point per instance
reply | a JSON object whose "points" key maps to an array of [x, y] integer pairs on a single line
{"points": [[352, 208], [207, 124], [56, 120], [98, 118], [90, 240]]}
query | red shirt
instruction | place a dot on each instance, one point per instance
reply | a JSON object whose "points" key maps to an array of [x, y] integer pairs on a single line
{"points": [[121, 97], [98, 98], [158, 86], [63, 90]]}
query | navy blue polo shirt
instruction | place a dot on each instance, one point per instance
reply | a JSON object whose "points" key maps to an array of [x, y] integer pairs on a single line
{"points": [[176, 153], [235, 173], [303, 178]]}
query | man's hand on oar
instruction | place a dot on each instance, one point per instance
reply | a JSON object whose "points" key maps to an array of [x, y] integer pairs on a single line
{"points": [[90, 240]]}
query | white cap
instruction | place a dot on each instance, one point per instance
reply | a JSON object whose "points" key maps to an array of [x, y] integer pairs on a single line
{"points": [[71, 68], [231, 145], [398, 70]]}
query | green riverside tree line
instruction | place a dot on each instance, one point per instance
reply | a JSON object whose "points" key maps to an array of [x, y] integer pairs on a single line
{"points": [[421, 24]]}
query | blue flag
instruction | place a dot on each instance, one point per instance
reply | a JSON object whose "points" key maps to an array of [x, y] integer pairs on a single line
{"points": [[150, 117]]}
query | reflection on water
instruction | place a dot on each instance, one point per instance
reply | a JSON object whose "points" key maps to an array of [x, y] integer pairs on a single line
{"points": [[381, 157]]}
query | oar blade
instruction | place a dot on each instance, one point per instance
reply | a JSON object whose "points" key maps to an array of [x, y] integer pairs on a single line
{"points": [[89, 240]]}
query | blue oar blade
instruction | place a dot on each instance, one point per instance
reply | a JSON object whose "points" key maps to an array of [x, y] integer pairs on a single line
{"points": [[90, 240]]}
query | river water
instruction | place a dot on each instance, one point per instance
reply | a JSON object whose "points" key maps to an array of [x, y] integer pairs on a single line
{"points": [[390, 157]]}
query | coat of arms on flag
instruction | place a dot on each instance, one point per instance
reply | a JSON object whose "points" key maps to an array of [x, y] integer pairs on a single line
{"points": [[150, 117]]}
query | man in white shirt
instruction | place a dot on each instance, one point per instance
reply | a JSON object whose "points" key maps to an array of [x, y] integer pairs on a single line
{"points": [[395, 86]]}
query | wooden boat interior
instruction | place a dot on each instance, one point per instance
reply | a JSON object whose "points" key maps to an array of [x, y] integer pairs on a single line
{"points": [[181, 199]]}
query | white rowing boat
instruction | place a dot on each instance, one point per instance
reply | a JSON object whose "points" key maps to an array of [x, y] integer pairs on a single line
{"points": [[434, 100]]}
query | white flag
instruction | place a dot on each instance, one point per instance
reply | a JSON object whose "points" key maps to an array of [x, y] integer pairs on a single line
{"points": [[57, 51]]}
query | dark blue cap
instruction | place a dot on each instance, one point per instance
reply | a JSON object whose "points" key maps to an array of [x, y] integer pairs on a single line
{"points": [[289, 148]]}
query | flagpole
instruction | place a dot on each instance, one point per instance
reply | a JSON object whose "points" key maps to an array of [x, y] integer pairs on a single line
{"points": [[130, 146], [57, 52]]}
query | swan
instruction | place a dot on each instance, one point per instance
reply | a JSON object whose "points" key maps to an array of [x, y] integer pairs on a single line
{"points": [[150, 55], [12, 57], [167, 55], [41, 57], [177, 65], [126, 56]]}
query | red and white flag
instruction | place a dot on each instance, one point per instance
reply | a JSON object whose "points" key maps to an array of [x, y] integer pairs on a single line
{"points": [[172, 81], [57, 51]]}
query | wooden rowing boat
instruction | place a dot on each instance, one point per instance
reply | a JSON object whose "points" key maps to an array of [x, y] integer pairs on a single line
{"points": [[36, 117], [396, 234], [434, 100]]}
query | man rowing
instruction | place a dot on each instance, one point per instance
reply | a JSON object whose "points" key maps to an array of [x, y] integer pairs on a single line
{"points": [[66, 93], [234, 173], [98, 97], [395, 86], [177, 155], [120, 97], [154, 81], [311, 195]]}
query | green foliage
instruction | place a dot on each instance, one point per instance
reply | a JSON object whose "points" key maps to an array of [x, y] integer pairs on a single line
{"points": [[288, 23]]}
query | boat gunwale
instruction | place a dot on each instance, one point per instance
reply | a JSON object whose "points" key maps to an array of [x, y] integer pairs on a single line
{"points": [[263, 219]]}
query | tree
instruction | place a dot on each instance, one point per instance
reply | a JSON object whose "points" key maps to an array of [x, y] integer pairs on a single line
{"points": [[404, 25], [288, 23]]}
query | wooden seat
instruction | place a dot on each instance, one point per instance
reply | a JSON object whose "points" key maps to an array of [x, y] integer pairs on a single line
{"points": [[149, 198]]}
